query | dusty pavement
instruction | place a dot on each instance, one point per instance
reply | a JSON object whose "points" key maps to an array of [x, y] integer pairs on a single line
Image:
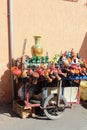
{"points": [[72, 119]]}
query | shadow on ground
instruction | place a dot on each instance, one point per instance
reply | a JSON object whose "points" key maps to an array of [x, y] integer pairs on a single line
{"points": [[7, 111], [83, 104]]}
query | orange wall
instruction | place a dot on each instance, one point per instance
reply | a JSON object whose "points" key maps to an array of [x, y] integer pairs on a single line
{"points": [[62, 25], [5, 81]]}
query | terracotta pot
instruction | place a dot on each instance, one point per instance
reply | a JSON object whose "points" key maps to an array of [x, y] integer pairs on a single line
{"points": [[17, 72]]}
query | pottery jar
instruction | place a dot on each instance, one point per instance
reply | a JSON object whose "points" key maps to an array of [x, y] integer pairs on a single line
{"points": [[37, 49]]}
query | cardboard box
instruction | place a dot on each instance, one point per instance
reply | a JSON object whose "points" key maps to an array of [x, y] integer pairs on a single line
{"points": [[72, 94]]}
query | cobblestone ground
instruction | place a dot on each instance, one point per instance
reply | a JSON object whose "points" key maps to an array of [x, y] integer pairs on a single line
{"points": [[73, 119]]}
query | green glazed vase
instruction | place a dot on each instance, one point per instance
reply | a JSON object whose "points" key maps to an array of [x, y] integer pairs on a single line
{"points": [[37, 49]]}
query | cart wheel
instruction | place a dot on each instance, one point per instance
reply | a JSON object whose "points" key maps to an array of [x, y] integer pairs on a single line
{"points": [[51, 110]]}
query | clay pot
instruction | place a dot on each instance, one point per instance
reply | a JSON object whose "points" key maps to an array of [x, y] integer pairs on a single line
{"points": [[30, 72], [24, 73], [17, 72], [14, 68]]}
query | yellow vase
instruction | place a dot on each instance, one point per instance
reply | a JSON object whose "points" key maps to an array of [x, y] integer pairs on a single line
{"points": [[37, 49]]}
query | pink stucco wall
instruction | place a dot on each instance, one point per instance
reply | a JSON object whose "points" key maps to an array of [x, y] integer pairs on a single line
{"points": [[62, 25]]}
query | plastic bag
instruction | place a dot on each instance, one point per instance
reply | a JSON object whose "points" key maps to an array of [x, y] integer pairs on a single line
{"points": [[21, 92], [83, 90], [83, 83]]}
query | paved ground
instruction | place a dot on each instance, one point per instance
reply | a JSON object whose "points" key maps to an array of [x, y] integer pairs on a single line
{"points": [[72, 119]]}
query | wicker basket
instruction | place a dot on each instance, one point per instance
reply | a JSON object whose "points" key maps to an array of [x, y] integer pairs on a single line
{"points": [[19, 108]]}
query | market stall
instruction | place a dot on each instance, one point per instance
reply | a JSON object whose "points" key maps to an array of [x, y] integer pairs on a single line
{"points": [[34, 75]]}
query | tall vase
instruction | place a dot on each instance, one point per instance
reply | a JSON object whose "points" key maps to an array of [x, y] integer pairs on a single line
{"points": [[37, 49]]}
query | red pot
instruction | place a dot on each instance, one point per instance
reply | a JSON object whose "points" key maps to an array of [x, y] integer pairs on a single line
{"points": [[30, 72], [17, 72]]}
